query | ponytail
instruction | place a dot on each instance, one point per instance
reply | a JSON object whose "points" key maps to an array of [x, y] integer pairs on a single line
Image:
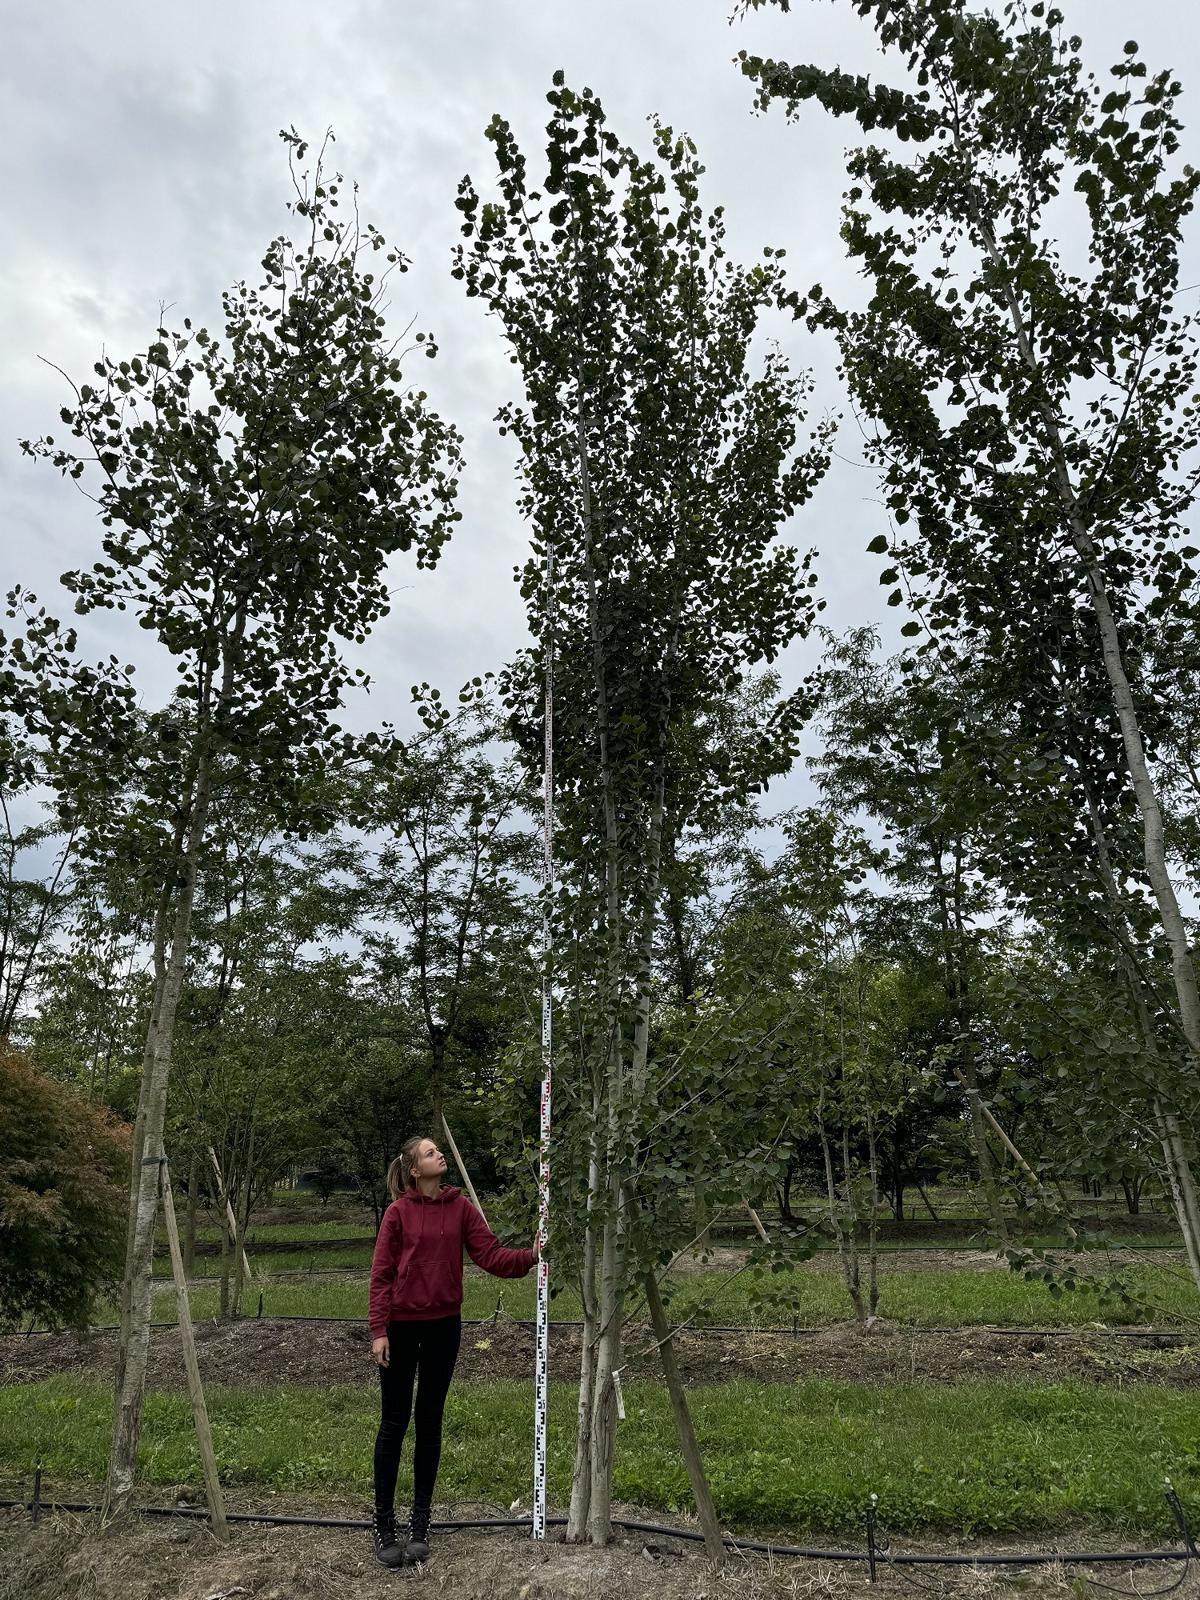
{"points": [[400, 1173]]}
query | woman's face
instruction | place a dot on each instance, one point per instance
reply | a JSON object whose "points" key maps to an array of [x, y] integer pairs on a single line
{"points": [[430, 1162]]}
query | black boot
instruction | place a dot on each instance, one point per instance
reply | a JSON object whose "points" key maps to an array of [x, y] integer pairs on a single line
{"points": [[389, 1552], [416, 1547]]}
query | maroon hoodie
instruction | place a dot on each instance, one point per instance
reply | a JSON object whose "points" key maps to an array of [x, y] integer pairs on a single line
{"points": [[416, 1271]]}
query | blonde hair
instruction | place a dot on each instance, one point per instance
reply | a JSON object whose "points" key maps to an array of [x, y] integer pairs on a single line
{"points": [[400, 1173]]}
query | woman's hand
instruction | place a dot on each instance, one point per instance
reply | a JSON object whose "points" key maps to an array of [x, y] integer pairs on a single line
{"points": [[537, 1246], [380, 1352]]}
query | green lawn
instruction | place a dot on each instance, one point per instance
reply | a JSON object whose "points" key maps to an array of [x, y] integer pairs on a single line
{"points": [[284, 1232], [358, 1256], [805, 1456], [812, 1293]]}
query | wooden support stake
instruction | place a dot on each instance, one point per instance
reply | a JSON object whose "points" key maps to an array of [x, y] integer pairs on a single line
{"points": [[224, 1193], [757, 1221], [462, 1167], [1015, 1153], [706, 1510], [208, 1458]]}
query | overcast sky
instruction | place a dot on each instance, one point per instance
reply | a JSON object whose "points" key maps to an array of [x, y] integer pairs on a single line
{"points": [[143, 165]]}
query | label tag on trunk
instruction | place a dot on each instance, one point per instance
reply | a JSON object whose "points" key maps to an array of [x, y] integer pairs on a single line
{"points": [[620, 1396]]}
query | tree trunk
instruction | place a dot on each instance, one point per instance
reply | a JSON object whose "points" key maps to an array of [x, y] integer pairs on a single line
{"points": [[1183, 1190], [702, 1212], [955, 983], [242, 1214], [437, 1069], [189, 1217], [873, 1226], [147, 1159], [1175, 1156], [227, 1248], [925, 1199], [616, 1236], [608, 1358], [581, 1480], [847, 1258]]}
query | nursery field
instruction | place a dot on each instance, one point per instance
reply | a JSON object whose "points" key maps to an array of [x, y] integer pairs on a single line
{"points": [[981, 1405], [940, 1291]]}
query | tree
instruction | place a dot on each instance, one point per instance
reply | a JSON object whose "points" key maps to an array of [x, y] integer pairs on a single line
{"points": [[62, 1173], [266, 1018], [1031, 422], [30, 907], [886, 752], [442, 887], [94, 992], [251, 496], [983, 798], [656, 472]]}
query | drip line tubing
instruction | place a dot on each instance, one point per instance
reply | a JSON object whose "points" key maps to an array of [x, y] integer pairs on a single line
{"points": [[794, 1332], [758, 1546]]}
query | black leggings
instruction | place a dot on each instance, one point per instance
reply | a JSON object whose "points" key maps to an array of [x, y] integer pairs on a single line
{"points": [[425, 1351]]}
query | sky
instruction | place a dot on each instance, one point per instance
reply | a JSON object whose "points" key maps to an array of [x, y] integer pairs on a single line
{"points": [[143, 166]]}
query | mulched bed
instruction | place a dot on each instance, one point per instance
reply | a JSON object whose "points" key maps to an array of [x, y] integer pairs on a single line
{"points": [[65, 1558], [270, 1352]]}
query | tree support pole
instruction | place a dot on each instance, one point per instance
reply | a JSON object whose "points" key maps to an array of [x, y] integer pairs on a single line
{"points": [[462, 1167], [714, 1545], [208, 1458], [1016, 1155], [233, 1227]]}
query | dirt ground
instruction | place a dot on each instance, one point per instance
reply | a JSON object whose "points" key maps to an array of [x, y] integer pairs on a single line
{"points": [[64, 1557], [266, 1352], [922, 1258]]}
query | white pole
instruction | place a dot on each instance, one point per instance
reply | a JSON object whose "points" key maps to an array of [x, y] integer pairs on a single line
{"points": [[542, 1358]]}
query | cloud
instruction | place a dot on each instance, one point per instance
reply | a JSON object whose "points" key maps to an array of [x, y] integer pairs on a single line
{"points": [[143, 166]]}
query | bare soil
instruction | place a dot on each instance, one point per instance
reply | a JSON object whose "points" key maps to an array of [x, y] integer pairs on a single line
{"points": [[254, 1352], [64, 1557], [727, 1258]]}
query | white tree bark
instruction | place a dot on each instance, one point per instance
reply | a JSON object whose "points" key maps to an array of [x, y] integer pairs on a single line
{"points": [[148, 1156]]}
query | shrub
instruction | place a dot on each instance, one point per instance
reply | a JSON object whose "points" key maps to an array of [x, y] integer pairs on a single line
{"points": [[64, 1176]]}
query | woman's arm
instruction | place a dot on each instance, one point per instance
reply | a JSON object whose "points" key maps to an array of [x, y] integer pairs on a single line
{"points": [[486, 1251], [383, 1271]]}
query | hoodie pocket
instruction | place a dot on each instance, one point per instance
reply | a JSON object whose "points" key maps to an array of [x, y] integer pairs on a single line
{"points": [[414, 1292]]}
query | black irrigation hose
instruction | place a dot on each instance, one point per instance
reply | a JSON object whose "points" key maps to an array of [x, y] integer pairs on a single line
{"points": [[794, 1332], [1007, 1559]]}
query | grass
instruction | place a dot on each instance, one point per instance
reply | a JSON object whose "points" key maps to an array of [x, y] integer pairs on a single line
{"points": [[812, 1294], [353, 1256], [805, 1456], [358, 1254], [287, 1232]]}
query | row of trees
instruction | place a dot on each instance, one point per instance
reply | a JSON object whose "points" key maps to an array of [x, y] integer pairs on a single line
{"points": [[977, 935]]}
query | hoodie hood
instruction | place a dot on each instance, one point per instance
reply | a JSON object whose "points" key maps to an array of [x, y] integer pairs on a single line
{"points": [[444, 1195]]}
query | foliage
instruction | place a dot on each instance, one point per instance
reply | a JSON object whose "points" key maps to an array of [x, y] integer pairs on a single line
{"points": [[1033, 421], [30, 908], [63, 1167], [446, 917], [656, 472]]}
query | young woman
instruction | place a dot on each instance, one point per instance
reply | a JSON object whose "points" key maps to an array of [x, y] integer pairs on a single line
{"points": [[416, 1324]]}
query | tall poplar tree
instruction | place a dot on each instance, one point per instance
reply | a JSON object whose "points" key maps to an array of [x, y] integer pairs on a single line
{"points": [[1028, 370], [657, 471]]}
